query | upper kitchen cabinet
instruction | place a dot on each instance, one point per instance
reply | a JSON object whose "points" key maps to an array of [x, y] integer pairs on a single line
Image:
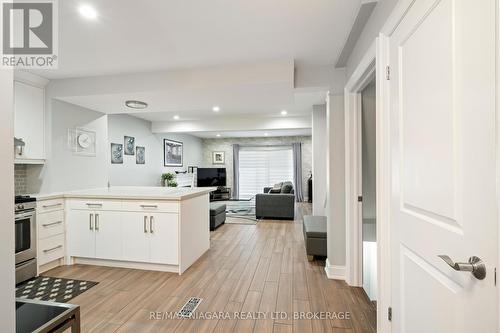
{"points": [[29, 118]]}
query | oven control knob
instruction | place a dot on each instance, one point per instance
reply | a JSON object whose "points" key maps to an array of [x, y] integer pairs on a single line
{"points": [[21, 206]]}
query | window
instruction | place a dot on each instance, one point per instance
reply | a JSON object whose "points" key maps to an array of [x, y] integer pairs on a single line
{"points": [[264, 166]]}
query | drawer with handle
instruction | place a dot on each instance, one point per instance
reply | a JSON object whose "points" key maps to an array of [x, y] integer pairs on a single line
{"points": [[50, 224], [49, 205], [95, 204], [151, 206], [50, 249]]}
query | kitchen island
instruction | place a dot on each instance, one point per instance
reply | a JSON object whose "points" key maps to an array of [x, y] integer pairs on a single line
{"points": [[153, 228]]}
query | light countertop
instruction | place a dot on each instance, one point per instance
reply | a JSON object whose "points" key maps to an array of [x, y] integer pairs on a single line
{"points": [[130, 192]]}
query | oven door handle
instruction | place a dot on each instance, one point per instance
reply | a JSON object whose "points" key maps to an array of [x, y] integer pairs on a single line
{"points": [[24, 215]]}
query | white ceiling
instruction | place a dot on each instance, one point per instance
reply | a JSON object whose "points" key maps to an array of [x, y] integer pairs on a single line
{"points": [[136, 36], [253, 134], [252, 58], [164, 106]]}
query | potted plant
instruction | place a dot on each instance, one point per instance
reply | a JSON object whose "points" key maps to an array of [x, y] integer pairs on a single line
{"points": [[168, 179]]}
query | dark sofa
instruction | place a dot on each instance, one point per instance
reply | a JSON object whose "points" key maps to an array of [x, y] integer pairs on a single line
{"points": [[279, 206]]}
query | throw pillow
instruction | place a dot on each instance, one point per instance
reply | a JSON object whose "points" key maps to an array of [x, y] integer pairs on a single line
{"points": [[276, 188], [286, 188]]}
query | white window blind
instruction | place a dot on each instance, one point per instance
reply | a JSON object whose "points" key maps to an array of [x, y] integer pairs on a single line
{"points": [[263, 166]]}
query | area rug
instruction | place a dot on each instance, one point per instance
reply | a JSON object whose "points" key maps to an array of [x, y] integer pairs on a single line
{"points": [[46, 288], [240, 212]]}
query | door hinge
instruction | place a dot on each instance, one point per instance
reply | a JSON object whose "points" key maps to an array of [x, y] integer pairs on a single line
{"points": [[360, 198], [388, 73], [389, 314]]}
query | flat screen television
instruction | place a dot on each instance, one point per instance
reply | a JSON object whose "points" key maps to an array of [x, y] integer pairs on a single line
{"points": [[207, 177]]}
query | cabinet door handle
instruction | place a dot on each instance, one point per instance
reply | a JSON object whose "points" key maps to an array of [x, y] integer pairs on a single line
{"points": [[151, 224], [145, 224], [53, 205], [49, 224], [97, 222], [52, 249], [91, 217], [90, 204], [149, 206]]}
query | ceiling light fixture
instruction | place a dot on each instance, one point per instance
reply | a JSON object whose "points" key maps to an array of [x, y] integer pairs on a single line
{"points": [[266, 134], [218, 135], [88, 12], [216, 109], [284, 113], [136, 104], [176, 117]]}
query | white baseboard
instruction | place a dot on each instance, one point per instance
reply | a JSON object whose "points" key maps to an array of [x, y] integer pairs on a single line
{"points": [[334, 272], [125, 264]]}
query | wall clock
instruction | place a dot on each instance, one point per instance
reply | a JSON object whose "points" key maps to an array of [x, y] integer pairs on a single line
{"points": [[82, 141]]}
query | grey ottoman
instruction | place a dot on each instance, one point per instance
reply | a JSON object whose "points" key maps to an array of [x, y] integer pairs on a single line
{"points": [[217, 215], [315, 236]]}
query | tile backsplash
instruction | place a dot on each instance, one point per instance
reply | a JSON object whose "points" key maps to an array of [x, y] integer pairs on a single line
{"points": [[20, 178]]}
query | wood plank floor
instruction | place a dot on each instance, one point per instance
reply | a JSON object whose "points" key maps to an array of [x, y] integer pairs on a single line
{"points": [[252, 270]]}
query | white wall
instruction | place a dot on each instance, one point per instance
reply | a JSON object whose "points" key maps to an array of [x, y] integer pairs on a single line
{"points": [[7, 282], [335, 212], [193, 150], [369, 162], [370, 32], [131, 174], [319, 155], [63, 169]]}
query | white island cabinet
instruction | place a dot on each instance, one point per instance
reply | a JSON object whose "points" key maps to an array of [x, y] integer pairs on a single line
{"points": [[145, 228]]}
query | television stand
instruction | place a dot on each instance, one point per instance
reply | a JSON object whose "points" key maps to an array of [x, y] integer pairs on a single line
{"points": [[221, 194]]}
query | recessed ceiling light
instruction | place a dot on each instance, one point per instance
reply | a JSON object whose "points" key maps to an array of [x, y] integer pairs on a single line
{"points": [[88, 12], [136, 104], [216, 109], [284, 113], [176, 117], [266, 134], [218, 135]]}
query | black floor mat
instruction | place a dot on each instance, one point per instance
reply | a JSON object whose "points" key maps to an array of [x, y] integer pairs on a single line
{"points": [[52, 289]]}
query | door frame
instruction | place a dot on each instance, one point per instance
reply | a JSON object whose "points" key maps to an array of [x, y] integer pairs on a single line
{"points": [[375, 59], [383, 161], [497, 109], [361, 77], [373, 63]]}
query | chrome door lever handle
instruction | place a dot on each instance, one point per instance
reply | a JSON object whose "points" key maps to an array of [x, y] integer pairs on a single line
{"points": [[475, 266]]}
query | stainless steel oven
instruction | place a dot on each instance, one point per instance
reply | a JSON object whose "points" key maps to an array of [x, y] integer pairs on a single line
{"points": [[25, 238]]}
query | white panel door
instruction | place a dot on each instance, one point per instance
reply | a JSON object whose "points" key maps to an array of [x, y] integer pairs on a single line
{"points": [[108, 235], [29, 122], [163, 236], [81, 236], [135, 236], [442, 86]]}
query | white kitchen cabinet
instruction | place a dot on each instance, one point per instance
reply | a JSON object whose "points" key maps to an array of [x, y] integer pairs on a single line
{"points": [[137, 231], [94, 234], [51, 233], [29, 121], [135, 236], [108, 232], [80, 231], [164, 241], [150, 237]]}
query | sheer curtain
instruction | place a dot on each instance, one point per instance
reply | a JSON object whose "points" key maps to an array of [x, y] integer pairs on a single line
{"points": [[263, 166], [297, 171], [236, 171]]}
